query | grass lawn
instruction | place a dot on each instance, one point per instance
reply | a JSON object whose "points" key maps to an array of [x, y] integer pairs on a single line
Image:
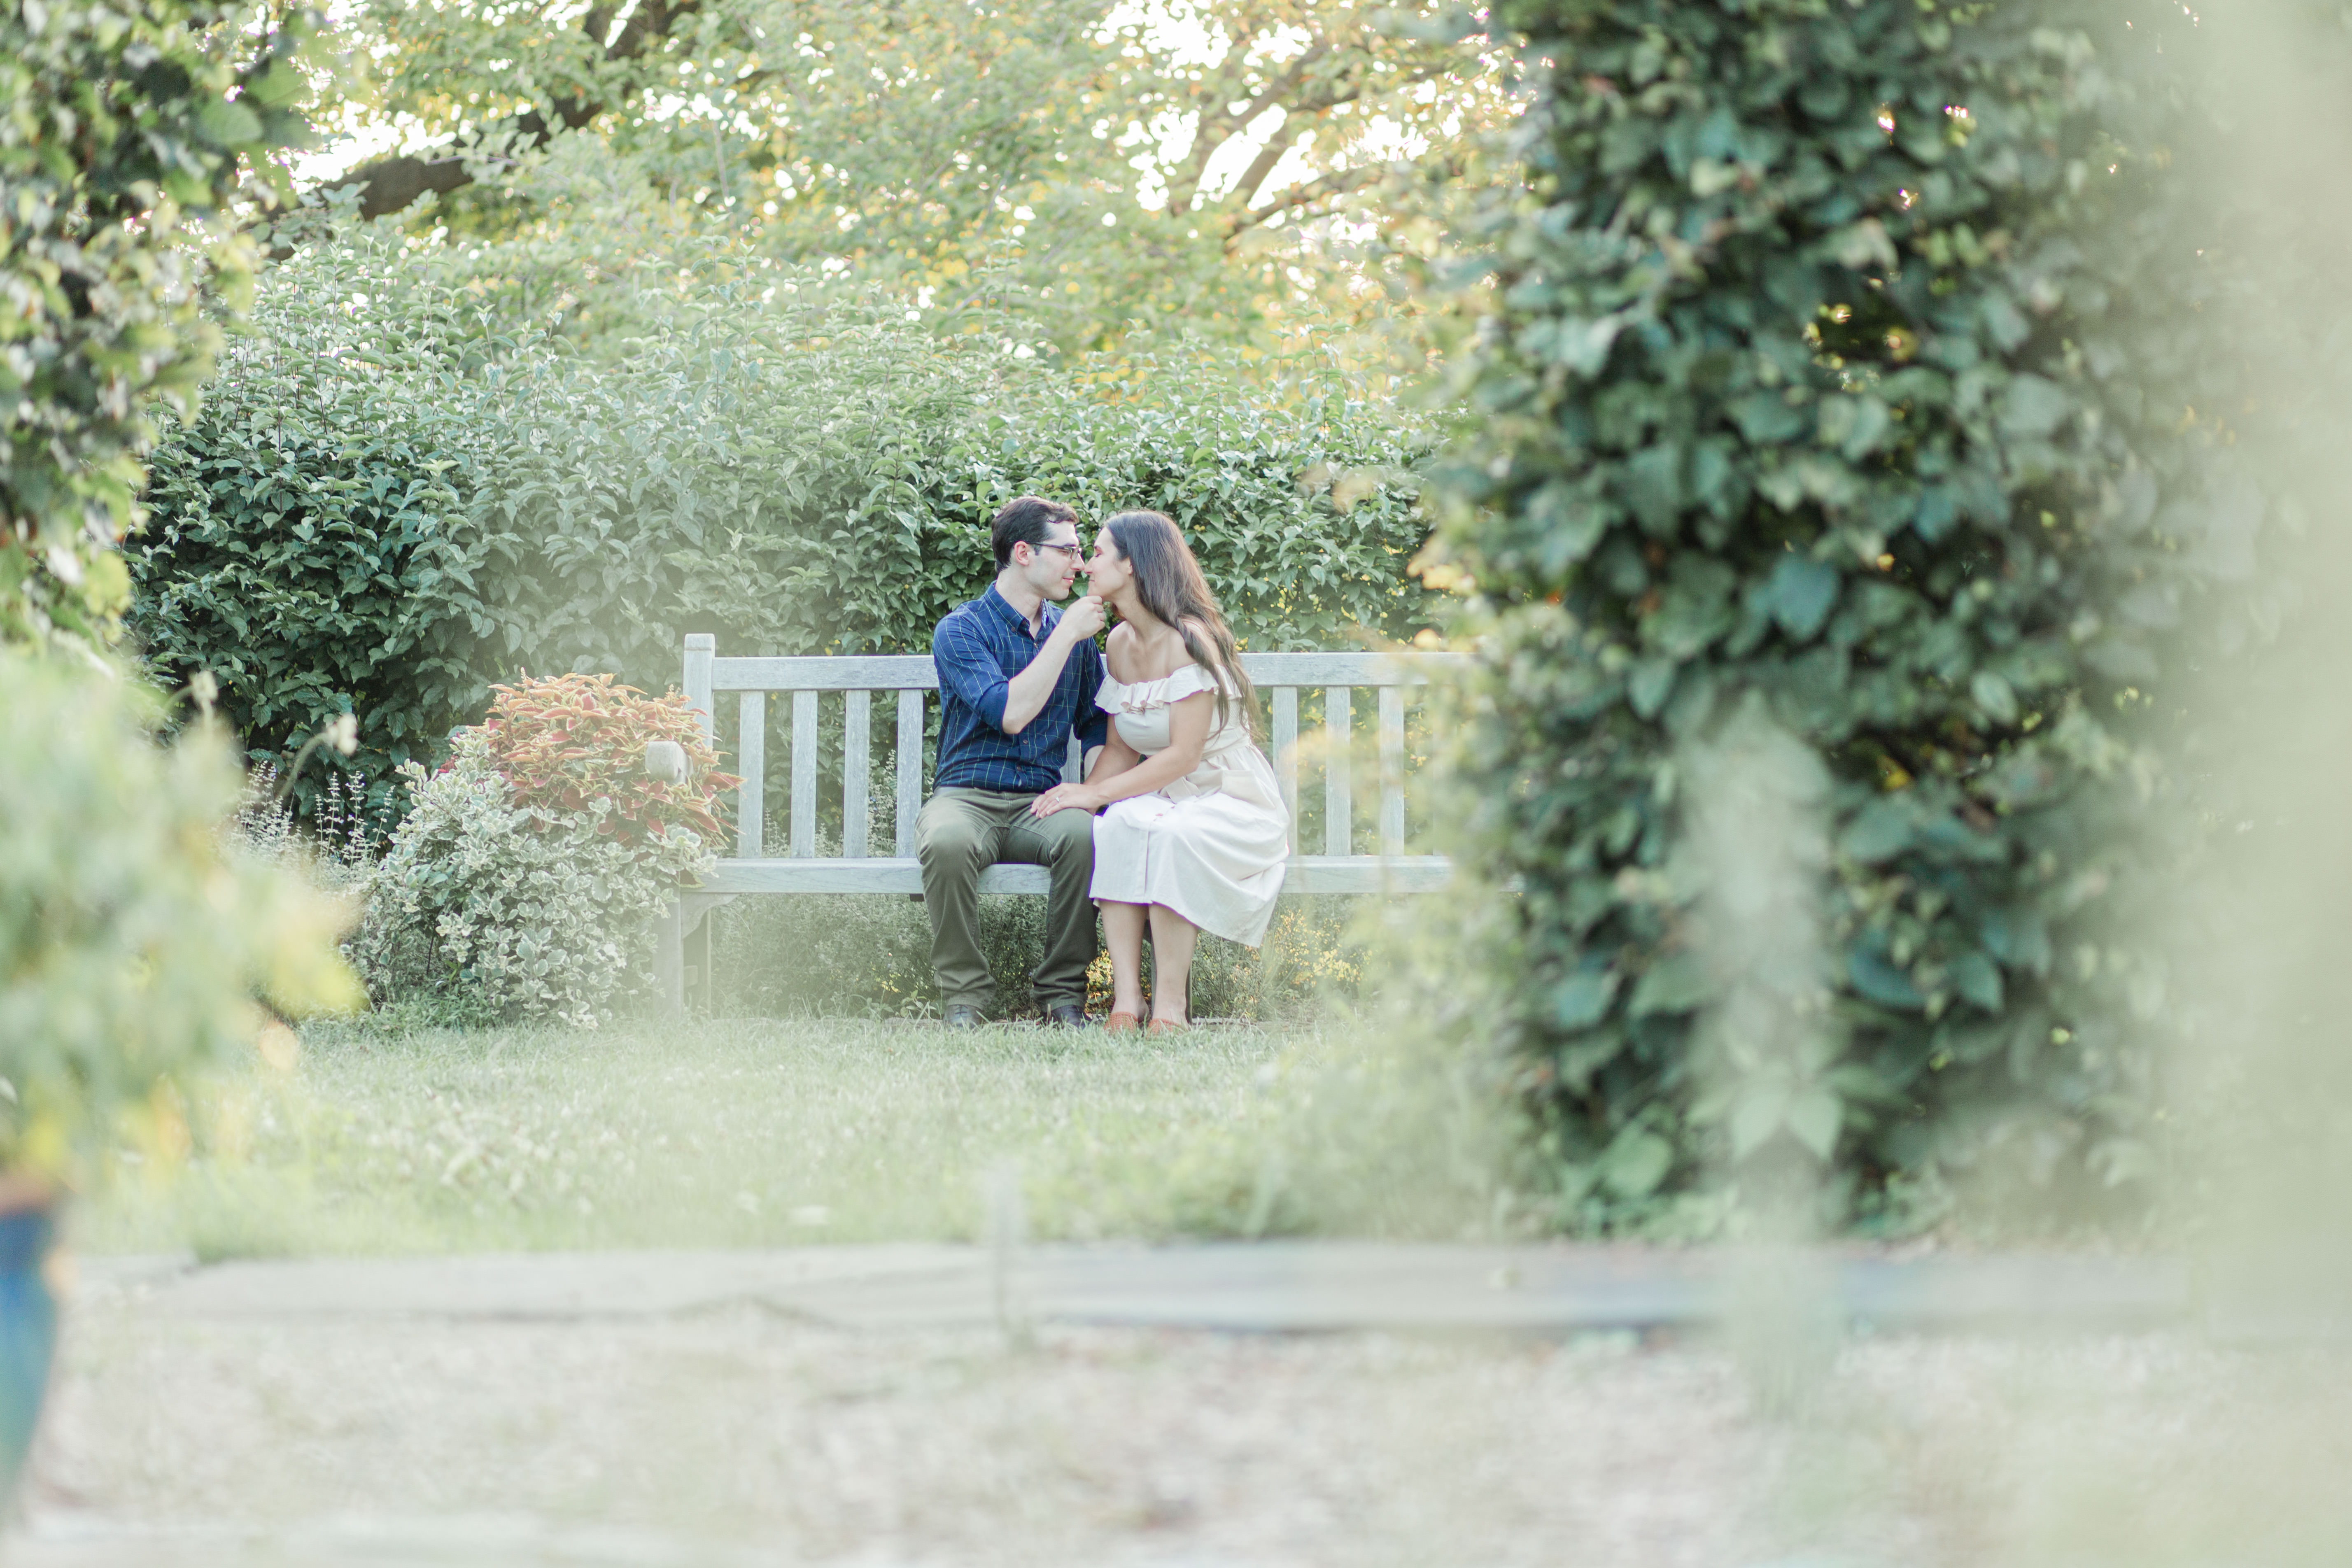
{"points": [[772, 1132]]}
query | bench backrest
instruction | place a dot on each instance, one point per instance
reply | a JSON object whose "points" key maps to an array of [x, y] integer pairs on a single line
{"points": [[1280, 678]]}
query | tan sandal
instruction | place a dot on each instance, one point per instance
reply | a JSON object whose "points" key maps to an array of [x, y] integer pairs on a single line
{"points": [[1168, 1026], [1120, 1023]]}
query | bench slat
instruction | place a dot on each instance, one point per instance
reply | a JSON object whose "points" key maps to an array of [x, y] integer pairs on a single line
{"points": [[804, 774], [1286, 754], [856, 748], [1318, 668], [700, 653], [752, 761], [910, 767], [1338, 781], [1391, 770], [847, 672], [903, 874], [914, 671]]}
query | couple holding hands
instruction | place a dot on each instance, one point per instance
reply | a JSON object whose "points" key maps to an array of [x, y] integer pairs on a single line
{"points": [[1179, 824]]}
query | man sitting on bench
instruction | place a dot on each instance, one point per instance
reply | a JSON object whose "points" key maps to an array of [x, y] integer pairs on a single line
{"points": [[1017, 678]]}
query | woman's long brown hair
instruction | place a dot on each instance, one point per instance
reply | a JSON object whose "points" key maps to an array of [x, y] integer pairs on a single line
{"points": [[1169, 582]]}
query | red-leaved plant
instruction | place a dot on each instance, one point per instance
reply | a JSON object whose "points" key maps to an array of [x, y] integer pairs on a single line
{"points": [[565, 740]]}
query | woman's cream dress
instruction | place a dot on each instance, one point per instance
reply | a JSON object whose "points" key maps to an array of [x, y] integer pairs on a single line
{"points": [[1211, 845]]}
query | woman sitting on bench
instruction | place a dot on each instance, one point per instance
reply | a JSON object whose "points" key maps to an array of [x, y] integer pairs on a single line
{"points": [[1195, 837]]}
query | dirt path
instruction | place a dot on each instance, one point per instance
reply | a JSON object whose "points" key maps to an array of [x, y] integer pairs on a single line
{"points": [[817, 1444], [738, 1433]]}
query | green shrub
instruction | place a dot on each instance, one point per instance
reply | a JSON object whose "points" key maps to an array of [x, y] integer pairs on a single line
{"points": [[306, 540], [1832, 370], [386, 505]]}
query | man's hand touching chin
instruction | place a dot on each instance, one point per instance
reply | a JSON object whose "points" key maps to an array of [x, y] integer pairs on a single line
{"points": [[1083, 619]]}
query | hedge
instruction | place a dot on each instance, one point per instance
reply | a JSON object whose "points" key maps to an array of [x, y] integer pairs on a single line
{"points": [[388, 502], [1837, 369]]}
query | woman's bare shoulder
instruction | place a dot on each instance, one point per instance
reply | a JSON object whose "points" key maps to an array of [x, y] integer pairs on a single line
{"points": [[1118, 650], [1154, 658]]}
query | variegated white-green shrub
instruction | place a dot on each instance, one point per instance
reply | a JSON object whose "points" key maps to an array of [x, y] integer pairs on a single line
{"points": [[530, 872]]}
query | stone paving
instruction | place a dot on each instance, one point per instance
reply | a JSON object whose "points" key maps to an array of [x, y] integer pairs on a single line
{"points": [[1287, 1405]]}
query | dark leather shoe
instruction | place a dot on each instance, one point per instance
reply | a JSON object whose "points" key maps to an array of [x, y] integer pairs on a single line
{"points": [[958, 1017], [1069, 1015]]}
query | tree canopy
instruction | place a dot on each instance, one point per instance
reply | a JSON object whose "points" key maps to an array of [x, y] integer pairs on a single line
{"points": [[1082, 166]]}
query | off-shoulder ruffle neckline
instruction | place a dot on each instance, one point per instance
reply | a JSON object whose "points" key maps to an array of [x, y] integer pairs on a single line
{"points": [[1140, 697]]}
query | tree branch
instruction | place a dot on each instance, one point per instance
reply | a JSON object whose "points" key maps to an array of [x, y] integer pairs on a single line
{"points": [[1272, 152], [1182, 193], [1351, 90], [1339, 183], [391, 185]]}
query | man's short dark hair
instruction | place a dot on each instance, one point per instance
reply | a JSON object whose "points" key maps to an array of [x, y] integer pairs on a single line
{"points": [[1027, 520]]}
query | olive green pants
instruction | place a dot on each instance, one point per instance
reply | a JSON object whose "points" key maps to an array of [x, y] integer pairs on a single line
{"points": [[961, 832]]}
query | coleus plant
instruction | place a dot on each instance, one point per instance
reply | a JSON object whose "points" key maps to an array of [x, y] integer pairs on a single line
{"points": [[566, 742]]}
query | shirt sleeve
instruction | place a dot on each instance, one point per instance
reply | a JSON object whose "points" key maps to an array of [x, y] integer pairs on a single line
{"points": [[1090, 723], [969, 672]]}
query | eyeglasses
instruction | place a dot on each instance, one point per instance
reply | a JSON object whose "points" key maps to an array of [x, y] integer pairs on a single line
{"points": [[1075, 552]]}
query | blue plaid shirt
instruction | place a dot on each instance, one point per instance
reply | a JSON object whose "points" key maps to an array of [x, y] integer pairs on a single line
{"points": [[979, 648]]}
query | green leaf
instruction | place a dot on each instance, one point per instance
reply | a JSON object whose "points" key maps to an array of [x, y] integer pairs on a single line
{"points": [[1993, 696], [1653, 485], [1815, 1116], [228, 125], [2034, 406], [1876, 980], [1636, 1161], [1801, 593], [1879, 832], [1767, 418], [1647, 687], [1694, 610], [1570, 520], [1584, 1000], [1978, 979], [2018, 938], [1757, 1117], [1864, 244], [1678, 982]]}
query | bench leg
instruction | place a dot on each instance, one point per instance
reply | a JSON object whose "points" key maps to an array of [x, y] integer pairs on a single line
{"points": [[669, 961], [700, 991]]}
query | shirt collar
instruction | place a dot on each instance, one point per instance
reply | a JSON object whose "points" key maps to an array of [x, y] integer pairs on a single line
{"points": [[1020, 622]]}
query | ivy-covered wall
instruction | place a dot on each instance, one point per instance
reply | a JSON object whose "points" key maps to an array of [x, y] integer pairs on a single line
{"points": [[386, 503], [1838, 368]]}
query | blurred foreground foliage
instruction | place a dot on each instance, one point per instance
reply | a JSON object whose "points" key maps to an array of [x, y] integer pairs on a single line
{"points": [[391, 499], [134, 941], [1848, 369], [130, 135]]}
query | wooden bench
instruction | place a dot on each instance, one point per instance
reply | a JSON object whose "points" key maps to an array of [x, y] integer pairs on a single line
{"points": [[1280, 678]]}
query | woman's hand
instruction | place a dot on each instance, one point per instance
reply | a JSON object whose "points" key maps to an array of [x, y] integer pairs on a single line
{"points": [[1067, 797]]}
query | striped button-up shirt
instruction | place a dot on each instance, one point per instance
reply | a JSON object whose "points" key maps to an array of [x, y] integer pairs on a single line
{"points": [[979, 648]]}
